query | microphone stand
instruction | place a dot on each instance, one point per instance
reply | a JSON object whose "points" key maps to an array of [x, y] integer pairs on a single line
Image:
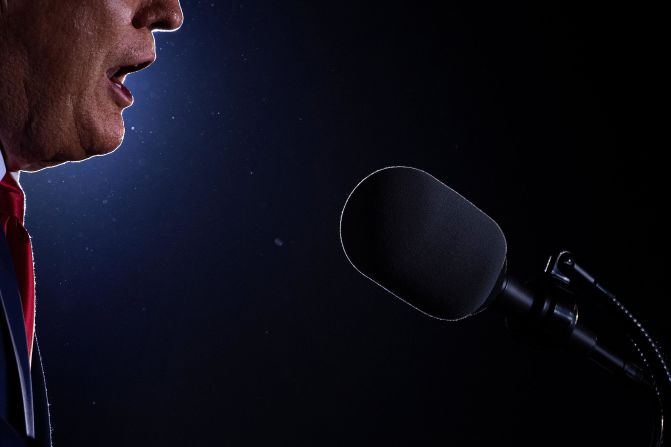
{"points": [[566, 273]]}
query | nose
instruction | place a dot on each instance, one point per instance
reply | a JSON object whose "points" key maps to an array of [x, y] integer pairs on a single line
{"points": [[159, 15]]}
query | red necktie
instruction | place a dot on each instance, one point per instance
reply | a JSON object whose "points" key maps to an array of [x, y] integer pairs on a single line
{"points": [[18, 240]]}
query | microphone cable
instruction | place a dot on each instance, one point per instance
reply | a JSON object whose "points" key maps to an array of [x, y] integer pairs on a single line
{"points": [[652, 357]]}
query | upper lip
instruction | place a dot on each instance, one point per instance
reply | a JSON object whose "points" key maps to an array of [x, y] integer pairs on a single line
{"points": [[120, 71]]}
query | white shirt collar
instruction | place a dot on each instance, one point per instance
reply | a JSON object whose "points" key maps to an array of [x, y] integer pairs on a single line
{"points": [[3, 170]]}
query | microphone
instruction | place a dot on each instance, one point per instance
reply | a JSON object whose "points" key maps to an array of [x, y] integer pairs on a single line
{"points": [[429, 246]]}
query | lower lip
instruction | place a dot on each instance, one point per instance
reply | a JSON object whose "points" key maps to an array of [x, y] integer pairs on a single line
{"points": [[123, 96]]}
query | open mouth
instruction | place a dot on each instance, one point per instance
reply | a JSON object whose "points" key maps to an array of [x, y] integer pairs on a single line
{"points": [[117, 76]]}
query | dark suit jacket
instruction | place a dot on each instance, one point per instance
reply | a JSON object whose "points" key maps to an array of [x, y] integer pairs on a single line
{"points": [[24, 411]]}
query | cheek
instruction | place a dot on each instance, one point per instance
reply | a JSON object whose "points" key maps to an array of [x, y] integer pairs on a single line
{"points": [[78, 117], [97, 117]]}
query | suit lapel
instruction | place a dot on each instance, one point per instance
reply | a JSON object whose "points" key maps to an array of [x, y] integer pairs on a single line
{"points": [[10, 303], [42, 419]]}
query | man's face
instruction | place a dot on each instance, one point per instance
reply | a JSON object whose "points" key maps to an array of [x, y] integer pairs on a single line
{"points": [[62, 64]]}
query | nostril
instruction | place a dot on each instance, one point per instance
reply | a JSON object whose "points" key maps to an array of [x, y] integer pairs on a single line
{"points": [[176, 19], [159, 18], [169, 21]]}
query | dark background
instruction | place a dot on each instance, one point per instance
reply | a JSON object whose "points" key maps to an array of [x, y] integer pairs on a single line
{"points": [[192, 289]]}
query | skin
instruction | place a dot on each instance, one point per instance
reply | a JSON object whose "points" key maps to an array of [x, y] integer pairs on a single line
{"points": [[57, 103]]}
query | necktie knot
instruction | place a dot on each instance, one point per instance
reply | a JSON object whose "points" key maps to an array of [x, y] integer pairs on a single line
{"points": [[12, 199]]}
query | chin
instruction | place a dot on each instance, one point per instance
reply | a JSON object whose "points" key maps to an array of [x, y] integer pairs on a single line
{"points": [[95, 128], [103, 142], [105, 136], [105, 145]]}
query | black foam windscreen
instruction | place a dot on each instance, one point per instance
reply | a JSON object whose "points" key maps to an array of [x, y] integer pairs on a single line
{"points": [[423, 242]]}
